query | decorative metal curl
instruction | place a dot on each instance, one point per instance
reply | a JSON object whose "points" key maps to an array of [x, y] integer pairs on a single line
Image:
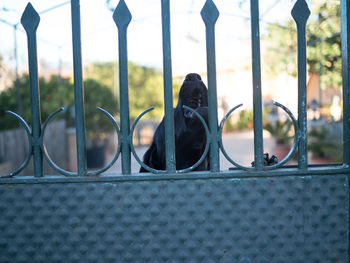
{"points": [[116, 155], [222, 145], [295, 141], [148, 168], [152, 170], [207, 134], [65, 172], [30, 147], [43, 147], [277, 165]]}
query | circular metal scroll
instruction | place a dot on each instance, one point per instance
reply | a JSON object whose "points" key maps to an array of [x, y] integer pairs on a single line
{"points": [[30, 146], [295, 141], [152, 170], [222, 145], [65, 172], [116, 155], [206, 149], [277, 165], [43, 148]]}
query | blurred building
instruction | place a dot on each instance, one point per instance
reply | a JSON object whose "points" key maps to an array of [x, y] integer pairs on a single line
{"points": [[6, 76]]}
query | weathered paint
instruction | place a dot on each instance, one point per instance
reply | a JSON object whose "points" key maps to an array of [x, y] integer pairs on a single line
{"points": [[122, 18], [256, 71], [345, 50], [30, 21], [210, 14], [78, 88], [301, 13]]}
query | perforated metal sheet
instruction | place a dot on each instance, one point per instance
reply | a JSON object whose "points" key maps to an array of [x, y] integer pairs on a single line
{"points": [[286, 219]]}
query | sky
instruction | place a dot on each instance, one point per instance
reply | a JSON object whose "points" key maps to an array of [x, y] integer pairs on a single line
{"points": [[100, 38], [99, 33]]}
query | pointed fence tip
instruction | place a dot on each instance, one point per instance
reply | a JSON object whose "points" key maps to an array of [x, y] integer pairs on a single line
{"points": [[300, 12], [30, 18], [122, 15], [209, 12]]}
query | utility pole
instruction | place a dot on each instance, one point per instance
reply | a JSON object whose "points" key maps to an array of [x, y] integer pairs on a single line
{"points": [[59, 66], [17, 83]]}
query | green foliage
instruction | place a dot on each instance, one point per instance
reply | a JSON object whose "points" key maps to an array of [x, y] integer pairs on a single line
{"points": [[280, 130], [145, 86], [280, 54], [145, 90], [230, 126], [328, 50], [324, 46], [106, 73], [324, 146], [53, 96], [244, 122], [98, 95]]}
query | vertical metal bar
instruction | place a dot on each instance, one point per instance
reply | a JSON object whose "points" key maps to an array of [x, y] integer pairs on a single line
{"points": [[122, 18], [301, 13], [210, 15], [168, 90], [302, 99], [345, 52], [256, 70], [345, 46], [78, 89], [30, 21]]}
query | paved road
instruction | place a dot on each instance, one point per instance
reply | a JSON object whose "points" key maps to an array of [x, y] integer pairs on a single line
{"points": [[238, 145]]}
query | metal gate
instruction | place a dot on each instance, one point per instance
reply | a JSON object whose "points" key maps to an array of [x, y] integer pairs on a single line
{"points": [[249, 214]]}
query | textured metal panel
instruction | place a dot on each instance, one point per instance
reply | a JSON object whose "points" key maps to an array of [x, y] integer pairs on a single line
{"points": [[286, 219]]}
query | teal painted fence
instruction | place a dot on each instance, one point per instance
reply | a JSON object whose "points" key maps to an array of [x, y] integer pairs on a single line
{"points": [[210, 14], [254, 214]]}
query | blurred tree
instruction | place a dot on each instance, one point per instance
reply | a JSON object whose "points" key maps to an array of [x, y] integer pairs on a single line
{"points": [[53, 96], [105, 73], [145, 86], [6, 75], [323, 40], [244, 122], [98, 95], [145, 90]]}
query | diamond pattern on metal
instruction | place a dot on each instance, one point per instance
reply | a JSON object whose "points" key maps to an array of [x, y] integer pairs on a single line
{"points": [[286, 219]]}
